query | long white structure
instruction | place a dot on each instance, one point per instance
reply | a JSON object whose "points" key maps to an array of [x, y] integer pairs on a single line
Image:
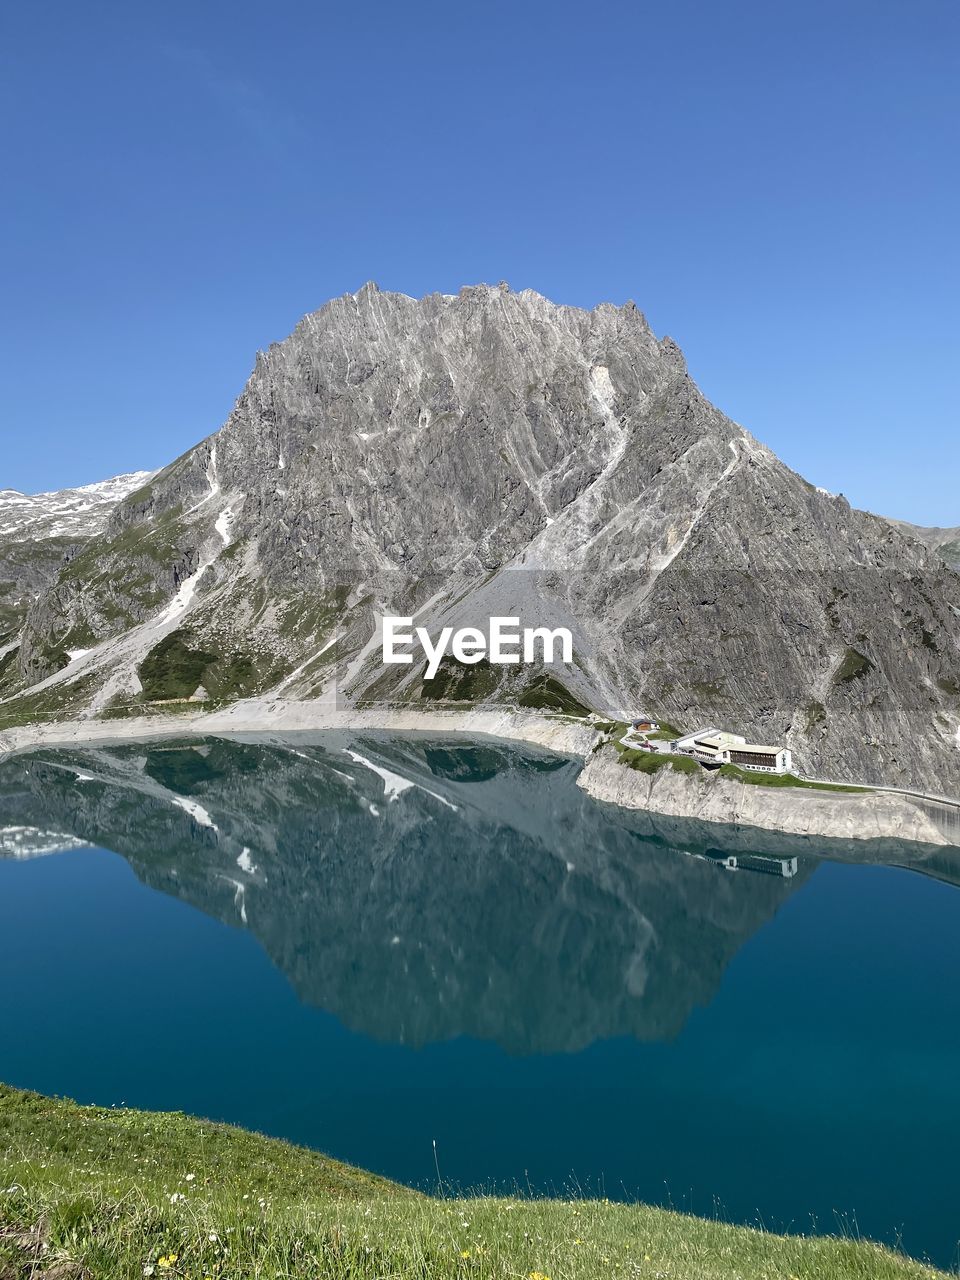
{"points": [[717, 746]]}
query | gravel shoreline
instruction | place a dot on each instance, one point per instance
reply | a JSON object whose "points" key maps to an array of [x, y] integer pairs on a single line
{"points": [[837, 815]]}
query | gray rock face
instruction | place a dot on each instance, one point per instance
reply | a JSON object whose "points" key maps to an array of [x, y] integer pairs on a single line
{"points": [[75, 514], [494, 453], [38, 534], [945, 542]]}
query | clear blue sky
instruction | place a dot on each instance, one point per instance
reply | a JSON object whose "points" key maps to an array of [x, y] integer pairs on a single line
{"points": [[775, 185]]}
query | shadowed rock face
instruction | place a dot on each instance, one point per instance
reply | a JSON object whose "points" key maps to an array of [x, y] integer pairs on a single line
{"points": [[523, 915], [494, 453]]}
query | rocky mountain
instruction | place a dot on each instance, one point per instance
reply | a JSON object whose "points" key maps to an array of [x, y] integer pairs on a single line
{"points": [[493, 453], [76, 514], [945, 542], [38, 532]]}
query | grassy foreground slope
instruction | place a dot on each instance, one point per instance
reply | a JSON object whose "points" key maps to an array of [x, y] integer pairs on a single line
{"points": [[115, 1193]]}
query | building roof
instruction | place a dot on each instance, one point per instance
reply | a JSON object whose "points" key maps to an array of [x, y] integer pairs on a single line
{"points": [[717, 741], [754, 747]]}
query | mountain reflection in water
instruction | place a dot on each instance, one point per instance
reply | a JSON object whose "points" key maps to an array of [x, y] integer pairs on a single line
{"points": [[421, 888]]}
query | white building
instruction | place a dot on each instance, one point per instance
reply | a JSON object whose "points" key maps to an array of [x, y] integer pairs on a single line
{"points": [[716, 747], [749, 755]]}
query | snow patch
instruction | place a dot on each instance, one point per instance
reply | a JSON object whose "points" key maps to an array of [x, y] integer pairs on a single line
{"points": [[394, 784], [79, 513], [32, 842], [223, 523], [196, 811], [182, 601]]}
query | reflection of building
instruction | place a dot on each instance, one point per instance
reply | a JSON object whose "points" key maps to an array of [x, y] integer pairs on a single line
{"points": [[762, 862], [717, 747], [528, 916], [786, 867]]}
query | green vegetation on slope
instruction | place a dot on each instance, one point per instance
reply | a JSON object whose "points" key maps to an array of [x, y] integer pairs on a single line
{"points": [[172, 669], [58, 702], [950, 551], [854, 666], [123, 1195], [546, 693], [666, 733], [458, 681], [652, 761], [783, 780], [8, 666], [179, 664]]}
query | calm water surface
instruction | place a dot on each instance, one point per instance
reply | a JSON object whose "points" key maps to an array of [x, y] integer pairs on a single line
{"points": [[366, 943]]}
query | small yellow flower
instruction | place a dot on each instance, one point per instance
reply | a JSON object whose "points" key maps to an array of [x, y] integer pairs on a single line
{"points": [[464, 1253], [537, 1275]]}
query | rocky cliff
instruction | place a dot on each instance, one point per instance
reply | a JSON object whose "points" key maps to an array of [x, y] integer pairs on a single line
{"points": [[492, 453], [38, 535], [945, 542], [709, 797]]}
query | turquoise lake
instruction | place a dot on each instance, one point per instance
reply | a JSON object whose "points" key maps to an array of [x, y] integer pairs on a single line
{"points": [[368, 943]]}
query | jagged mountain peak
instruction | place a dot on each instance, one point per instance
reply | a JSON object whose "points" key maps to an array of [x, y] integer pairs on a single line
{"points": [[374, 311], [492, 452]]}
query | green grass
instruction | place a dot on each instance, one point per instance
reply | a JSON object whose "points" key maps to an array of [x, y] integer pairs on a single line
{"points": [[123, 1195], [546, 693], [652, 761], [783, 780], [178, 665], [665, 733], [59, 702]]}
